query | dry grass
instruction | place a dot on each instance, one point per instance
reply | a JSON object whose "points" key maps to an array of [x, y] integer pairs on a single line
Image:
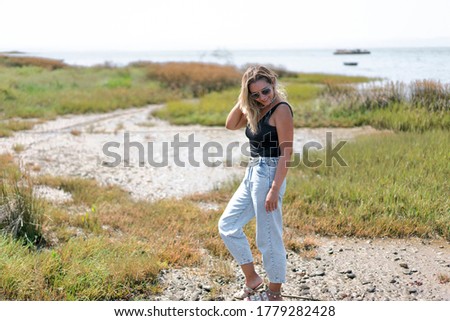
{"points": [[75, 132], [12, 61], [18, 148], [443, 278], [305, 248], [432, 95], [9, 126], [199, 78]]}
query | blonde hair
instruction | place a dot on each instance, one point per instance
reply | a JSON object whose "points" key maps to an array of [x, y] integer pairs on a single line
{"points": [[250, 107]]}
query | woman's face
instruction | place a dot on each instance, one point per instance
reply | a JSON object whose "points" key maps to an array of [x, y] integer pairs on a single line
{"points": [[262, 92]]}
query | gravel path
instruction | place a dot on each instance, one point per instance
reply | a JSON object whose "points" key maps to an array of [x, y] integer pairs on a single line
{"points": [[342, 269]]}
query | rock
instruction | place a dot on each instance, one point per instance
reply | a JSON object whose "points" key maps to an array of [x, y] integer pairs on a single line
{"points": [[195, 296], [318, 273], [180, 296], [404, 265], [370, 289], [330, 251], [351, 275], [207, 288], [333, 290]]}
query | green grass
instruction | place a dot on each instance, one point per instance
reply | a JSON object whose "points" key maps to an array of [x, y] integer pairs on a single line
{"points": [[319, 78], [81, 269], [395, 185], [34, 92], [210, 110], [303, 93], [320, 100]]}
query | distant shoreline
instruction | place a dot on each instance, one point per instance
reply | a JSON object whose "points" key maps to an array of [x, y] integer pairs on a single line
{"points": [[404, 64], [13, 52]]}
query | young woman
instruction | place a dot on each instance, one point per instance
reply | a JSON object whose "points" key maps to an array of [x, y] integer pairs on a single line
{"points": [[268, 119]]}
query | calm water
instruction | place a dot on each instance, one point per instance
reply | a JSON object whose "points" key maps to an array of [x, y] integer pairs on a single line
{"points": [[399, 64]]}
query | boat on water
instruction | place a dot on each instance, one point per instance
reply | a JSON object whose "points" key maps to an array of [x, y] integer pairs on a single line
{"points": [[352, 52], [350, 63]]}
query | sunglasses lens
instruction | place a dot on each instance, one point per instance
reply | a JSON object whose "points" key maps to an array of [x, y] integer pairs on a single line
{"points": [[264, 92]]}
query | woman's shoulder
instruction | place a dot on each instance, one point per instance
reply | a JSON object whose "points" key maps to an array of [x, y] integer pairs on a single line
{"points": [[284, 106]]}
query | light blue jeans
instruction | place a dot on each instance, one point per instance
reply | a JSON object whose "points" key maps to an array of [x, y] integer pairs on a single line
{"points": [[248, 202]]}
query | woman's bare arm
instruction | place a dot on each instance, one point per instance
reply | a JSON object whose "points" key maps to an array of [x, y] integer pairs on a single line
{"points": [[236, 119]]}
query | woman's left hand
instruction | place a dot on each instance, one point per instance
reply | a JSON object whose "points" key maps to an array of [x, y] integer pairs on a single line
{"points": [[271, 200]]}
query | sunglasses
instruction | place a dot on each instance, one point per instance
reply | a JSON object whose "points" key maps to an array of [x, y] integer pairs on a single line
{"points": [[266, 91]]}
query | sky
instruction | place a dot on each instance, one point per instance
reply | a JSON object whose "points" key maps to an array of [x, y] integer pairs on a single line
{"points": [[135, 25]]}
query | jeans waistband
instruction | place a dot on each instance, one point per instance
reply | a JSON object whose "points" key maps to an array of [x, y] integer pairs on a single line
{"points": [[271, 161]]}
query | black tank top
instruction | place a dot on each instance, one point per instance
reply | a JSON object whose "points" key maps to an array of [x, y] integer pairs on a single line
{"points": [[264, 142]]}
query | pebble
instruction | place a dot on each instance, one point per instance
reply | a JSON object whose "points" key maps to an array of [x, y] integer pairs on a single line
{"points": [[370, 289], [404, 265], [318, 273]]}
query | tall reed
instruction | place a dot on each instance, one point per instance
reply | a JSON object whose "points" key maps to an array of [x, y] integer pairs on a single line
{"points": [[20, 211]]}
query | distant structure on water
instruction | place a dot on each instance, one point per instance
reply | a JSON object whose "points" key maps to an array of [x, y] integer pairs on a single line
{"points": [[351, 52], [350, 63]]}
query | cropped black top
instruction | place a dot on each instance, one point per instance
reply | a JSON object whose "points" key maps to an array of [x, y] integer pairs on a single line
{"points": [[264, 142]]}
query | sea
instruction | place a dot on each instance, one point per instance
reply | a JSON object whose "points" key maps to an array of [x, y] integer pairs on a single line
{"points": [[390, 64]]}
